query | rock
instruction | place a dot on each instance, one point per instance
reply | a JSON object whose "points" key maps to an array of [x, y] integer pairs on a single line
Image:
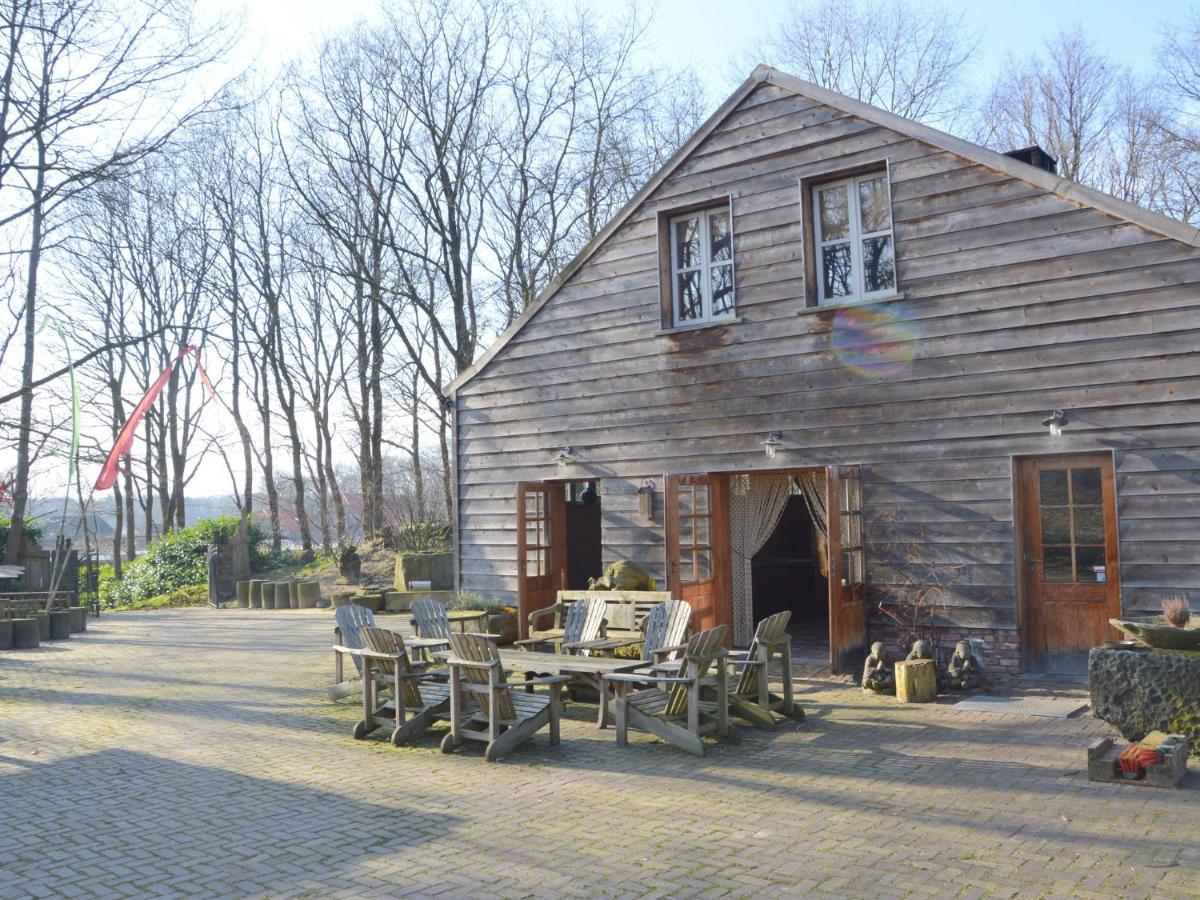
{"points": [[622, 576], [1139, 691]]}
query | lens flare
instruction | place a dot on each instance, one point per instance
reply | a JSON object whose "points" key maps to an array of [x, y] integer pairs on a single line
{"points": [[874, 341]]}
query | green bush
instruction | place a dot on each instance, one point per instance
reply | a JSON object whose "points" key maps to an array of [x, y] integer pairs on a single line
{"points": [[192, 595], [423, 537], [175, 561]]}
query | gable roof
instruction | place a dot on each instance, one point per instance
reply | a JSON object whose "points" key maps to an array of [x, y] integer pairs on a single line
{"points": [[763, 74]]}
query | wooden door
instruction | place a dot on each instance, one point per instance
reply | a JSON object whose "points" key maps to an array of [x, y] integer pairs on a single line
{"points": [[698, 547], [1067, 546], [541, 550], [847, 588]]}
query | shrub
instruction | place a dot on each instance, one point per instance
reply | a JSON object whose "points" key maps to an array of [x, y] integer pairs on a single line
{"points": [[422, 537], [175, 561], [192, 595]]}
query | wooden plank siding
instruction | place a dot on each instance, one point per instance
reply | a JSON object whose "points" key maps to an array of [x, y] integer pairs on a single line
{"points": [[1016, 301]]}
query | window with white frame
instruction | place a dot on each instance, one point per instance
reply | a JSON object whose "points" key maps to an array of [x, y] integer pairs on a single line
{"points": [[702, 266], [856, 258]]}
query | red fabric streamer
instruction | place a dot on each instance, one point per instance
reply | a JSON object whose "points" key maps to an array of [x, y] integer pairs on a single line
{"points": [[1134, 760], [124, 442]]}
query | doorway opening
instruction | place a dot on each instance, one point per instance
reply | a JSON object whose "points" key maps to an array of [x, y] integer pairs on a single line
{"points": [[584, 547], [789, 573]]}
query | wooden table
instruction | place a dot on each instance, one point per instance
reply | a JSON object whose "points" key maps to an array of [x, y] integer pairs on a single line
{"points": [[588, 669]]}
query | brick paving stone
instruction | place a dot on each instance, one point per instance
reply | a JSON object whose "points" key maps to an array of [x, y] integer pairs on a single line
{"points": [[194, 752]]}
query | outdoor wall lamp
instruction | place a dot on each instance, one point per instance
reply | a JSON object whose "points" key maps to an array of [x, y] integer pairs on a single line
{"points": [[1055, 423], [772, 444], [565, 457], [646, 500]]}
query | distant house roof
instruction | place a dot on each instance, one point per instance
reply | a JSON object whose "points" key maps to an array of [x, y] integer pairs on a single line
{"points": [[1063, 187]]}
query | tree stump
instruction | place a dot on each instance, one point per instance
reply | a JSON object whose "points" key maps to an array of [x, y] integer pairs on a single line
{"points": [[60, 624], [78, 618], [916, 680], [241, 591], [268, 595], [6, 634], [255, 593], [283, 590]]}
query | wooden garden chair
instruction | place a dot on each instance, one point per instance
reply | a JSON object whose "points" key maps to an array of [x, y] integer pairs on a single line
{"points": [[675, 708], [583, 624], [751, 698], [503, 718], [350, 620], [416, 700]]}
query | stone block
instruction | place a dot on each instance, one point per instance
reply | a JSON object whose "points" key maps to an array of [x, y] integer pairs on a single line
{"points": [[1139, 690]]}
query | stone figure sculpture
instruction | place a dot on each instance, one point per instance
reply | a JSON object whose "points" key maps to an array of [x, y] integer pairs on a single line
{"points": [[920, 650], [965, 671], [877, 672]]}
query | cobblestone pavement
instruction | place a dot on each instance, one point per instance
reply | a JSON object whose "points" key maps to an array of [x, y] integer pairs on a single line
{"points": [[194, 752]]}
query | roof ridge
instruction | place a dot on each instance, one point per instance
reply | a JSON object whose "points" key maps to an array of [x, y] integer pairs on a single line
{"points": [[765, 74]]}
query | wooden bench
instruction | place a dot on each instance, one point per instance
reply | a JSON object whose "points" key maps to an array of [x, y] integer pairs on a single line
{"points": [[624, 614]]}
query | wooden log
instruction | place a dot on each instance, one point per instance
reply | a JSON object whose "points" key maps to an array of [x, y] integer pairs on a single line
{"points": [[294, 593], [283, 590], [255, 593], [43, 624], [78, 618], [6, 633], [242, 594], [916, 680], [268, 594]]}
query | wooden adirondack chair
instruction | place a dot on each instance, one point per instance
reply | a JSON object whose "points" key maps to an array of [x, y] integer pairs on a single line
{"points": [[666, 631], [350, 620], [674, 709], [430, 619], [583, 623], [416, 701], [504, 718], [751, 699]]}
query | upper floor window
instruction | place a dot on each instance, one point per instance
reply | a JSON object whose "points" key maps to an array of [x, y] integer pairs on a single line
{"points": [[856, 258], [702, 266]]}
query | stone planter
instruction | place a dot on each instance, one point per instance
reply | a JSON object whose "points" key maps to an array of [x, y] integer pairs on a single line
{"points": [[25, 633], [6, 634], [308, 594], [436, 568], [268, 595], [242, 594], [504, 623], [1140, 690], [60, 624], [373, 602], [78, 619], [255, 593]]}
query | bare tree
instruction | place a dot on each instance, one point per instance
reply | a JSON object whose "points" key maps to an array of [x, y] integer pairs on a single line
{"points": [[906, 58], [80, 81], [1061, 100]]}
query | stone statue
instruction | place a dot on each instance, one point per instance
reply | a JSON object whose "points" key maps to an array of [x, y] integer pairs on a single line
{"points": [[877, 672], [920, 650], [622, 576], [965, 671]]}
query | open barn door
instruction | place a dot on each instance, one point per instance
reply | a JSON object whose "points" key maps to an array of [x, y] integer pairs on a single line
{"points": [[847, 591], [698, 546], [541, 550]]}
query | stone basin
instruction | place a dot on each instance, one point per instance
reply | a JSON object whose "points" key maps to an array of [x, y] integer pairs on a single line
{"points": [[1155, 632], [1141, 690]]}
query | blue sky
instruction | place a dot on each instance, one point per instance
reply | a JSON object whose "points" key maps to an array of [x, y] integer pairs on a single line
{"points": [[713, 33]]}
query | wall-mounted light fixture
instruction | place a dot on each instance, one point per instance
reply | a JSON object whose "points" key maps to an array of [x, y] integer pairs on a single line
{"points": [[772, 444], [565, 457], [1055, 422], [646, 500]]}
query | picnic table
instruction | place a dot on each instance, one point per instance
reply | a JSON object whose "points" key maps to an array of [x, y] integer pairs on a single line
{"points": [[588, 669]]}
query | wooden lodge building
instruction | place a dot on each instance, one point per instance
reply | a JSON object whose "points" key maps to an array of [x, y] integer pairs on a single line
{"points": [[829, 357]]}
